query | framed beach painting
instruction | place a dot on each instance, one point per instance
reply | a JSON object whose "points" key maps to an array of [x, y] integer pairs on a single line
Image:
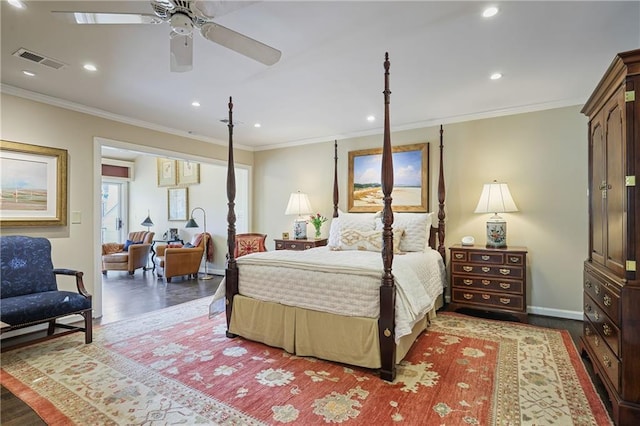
{"points": [[33, 185], [410, 179]]}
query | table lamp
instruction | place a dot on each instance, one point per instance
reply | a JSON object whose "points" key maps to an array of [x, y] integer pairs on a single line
{"points": [[299, 205], [147, 222], [496, 198]]}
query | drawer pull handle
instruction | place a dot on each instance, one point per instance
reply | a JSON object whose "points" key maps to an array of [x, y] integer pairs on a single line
{"points": [[607, 361], [485, 269], [467, 268], [587, 284], [505, 285], [514, 259], [459, 255], [606, 329], [505, 301], [587, 331], [485, 257], [607, 300], [505, 271], [468, 296], [486, 296], [467, 282], [596, 341], [596, 315], [486, 282], [293, 246], [597, 289], [587, 307]]}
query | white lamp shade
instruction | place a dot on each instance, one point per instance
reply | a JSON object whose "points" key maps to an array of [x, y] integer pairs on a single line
{"points": [[496, 198], [298, 204]]}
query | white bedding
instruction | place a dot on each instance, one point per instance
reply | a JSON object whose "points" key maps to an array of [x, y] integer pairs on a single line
{"points": [[342, 282]]}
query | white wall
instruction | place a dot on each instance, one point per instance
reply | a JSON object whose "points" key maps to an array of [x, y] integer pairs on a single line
{"points": [[541, 155]]}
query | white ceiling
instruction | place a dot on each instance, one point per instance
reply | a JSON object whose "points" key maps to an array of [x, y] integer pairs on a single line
{"points": [[330, 76]]}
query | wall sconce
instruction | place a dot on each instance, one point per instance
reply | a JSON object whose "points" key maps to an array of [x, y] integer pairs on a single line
{"points": [[147, 222], [496, 198], [299, 204], [193, 224]]}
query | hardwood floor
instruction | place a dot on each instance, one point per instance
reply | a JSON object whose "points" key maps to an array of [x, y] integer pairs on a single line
{"points": [[125, 296]]}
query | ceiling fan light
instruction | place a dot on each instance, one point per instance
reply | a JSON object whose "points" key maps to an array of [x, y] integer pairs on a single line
{"points": [[181, 24]]}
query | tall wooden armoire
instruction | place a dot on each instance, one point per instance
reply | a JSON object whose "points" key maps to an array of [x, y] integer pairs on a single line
{"points": [[611, 293]]}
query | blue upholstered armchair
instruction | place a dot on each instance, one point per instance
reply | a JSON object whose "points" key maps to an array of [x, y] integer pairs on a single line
{"points": [[29, 292]]}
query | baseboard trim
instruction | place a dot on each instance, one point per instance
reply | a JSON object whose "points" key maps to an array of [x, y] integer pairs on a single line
{"points": [[560, 313]]}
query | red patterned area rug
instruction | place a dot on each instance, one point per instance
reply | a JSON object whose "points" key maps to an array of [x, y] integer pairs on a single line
{"points": [[176, 366]]}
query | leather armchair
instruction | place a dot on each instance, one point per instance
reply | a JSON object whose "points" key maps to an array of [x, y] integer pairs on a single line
{"points": [[172, 260], [114, 258]]}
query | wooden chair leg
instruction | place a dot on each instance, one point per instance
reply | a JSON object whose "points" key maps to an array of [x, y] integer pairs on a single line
{"points": [[52, 327], [88, 328]]}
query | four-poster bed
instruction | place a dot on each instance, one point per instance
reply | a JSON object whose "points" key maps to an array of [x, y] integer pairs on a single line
{"points": [[393, 313]]}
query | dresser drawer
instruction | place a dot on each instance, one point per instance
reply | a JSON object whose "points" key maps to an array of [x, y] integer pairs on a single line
{"points": [[458, 256], [604, 295], [486, 257], [488, 299], [488, 284], [488, 270], [602, 324], [603, 355]]}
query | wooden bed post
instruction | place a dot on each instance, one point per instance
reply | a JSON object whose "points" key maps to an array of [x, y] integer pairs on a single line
{"points": [[231, 273], [386, 321], [335, 178], [441, 192]]}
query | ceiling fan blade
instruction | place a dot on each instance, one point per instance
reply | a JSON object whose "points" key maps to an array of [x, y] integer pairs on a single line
{"points": [[240, 43], [107, 18], [181, 52]]}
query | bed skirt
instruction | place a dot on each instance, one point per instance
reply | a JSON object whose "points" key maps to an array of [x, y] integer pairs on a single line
{"points": [[304, 332]]}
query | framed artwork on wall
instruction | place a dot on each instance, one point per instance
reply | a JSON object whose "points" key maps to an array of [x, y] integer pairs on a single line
{"points": [[410, 179], [178, 202], [166, 172], [188, 173], [33, 185]]}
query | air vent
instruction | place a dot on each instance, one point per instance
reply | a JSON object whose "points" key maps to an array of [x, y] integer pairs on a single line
{"points": [[41, 59]]}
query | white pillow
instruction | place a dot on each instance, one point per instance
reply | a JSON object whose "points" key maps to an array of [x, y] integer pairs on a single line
{"points": [[416, 230], [353, 239], [357, 221]]}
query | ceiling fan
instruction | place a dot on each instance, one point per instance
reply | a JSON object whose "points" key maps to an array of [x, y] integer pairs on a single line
{"points": [[185, 16]]}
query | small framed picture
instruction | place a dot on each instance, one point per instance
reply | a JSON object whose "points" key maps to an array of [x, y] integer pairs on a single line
{"points": [[285, 235]]}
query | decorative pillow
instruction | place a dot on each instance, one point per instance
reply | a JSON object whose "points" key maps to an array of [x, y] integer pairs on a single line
{"points": [[357, 221], [188, 245], [129, 243], [416, 230], [353, 239]]}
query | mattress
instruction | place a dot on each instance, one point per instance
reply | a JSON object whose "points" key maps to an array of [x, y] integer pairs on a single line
{"points": [[343, 282]]}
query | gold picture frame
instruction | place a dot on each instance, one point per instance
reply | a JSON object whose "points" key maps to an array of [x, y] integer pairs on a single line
{"points": [[33, 185], [410, 174], [178, 203], [188, 173], [166, 172]]}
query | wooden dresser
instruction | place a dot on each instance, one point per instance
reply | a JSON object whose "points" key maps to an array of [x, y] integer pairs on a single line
{"points": [[299, 244], [611, 335], [489, 279]]}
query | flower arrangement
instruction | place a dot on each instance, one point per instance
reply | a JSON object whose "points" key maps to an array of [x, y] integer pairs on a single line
{"points": [[317, 220]]}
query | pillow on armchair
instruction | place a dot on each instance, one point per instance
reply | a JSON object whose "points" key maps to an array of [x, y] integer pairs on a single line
{"points": [[249, 243]]}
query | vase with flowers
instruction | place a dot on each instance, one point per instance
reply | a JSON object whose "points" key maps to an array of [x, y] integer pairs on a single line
{"points": [[317, 220]]}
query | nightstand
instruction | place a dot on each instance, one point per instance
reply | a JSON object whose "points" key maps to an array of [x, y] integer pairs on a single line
{"points": [[299, 244], [489, 279]]}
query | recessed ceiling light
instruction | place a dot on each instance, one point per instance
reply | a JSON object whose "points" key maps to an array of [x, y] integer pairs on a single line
{"points": [[90, 67], [371, 118], [17, 3], [496, 76], [195, 103], [489, 12], [257, 125], [28, 73]]}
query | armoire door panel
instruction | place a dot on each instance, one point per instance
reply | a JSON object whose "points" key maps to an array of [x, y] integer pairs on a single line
{"points": [[597, 190], [615, 184]]}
